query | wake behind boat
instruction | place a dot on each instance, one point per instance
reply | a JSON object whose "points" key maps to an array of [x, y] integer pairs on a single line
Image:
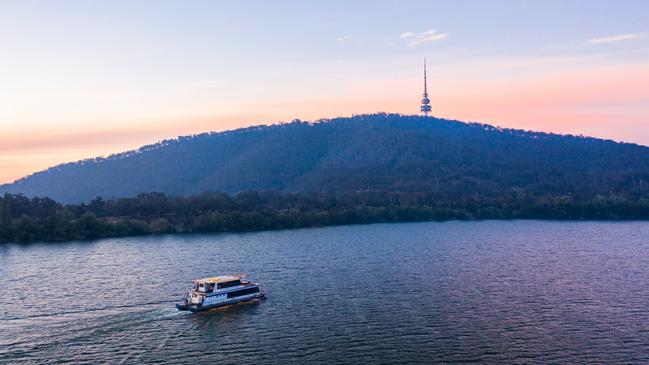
{"points": [[218, 291]]}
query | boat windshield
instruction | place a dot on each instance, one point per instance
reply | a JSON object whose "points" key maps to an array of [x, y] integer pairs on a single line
{"points": [[203, 287]]}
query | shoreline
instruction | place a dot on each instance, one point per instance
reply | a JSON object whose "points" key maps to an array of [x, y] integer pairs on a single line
{"points": [[465, 220]]}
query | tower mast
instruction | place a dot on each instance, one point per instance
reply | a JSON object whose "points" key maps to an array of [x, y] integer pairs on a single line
{"points": [[425, 102]]}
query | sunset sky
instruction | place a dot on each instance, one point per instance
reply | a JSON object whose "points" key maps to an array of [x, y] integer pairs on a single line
{"points": [[81, 79]]}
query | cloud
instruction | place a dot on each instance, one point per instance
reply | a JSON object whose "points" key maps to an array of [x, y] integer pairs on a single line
{"points": [[343, 38], [418, 39], [615, 38]]}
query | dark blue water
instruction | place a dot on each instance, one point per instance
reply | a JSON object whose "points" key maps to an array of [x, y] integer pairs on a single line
{"points": [[497, 292]]}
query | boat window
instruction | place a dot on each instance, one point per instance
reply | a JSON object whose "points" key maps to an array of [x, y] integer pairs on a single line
{"points": [[241, 292], [202, 287], [228, 284]]}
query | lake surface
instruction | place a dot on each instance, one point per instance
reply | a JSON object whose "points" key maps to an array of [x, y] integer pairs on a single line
{"points": [[493, 291]]}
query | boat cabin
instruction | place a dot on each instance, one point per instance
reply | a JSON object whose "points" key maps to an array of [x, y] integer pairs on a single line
{"points": [[209, 285]]}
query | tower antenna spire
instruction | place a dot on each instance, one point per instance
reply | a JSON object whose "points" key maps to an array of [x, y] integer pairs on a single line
{"points": [[425, 102], [425, 81]]}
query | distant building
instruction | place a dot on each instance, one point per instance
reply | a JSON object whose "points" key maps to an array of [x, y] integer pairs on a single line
{"points": [[425, 102]]}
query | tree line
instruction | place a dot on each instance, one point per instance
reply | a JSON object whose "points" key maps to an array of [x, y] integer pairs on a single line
{"points": [[42, 219]]}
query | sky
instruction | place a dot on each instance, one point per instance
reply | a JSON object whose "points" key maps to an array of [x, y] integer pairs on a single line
{"points": [[81, 79]]}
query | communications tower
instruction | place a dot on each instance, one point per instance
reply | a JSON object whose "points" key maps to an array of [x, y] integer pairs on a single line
{"points": [[425, 102]]}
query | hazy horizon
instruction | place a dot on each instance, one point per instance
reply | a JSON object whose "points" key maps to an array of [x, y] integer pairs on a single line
{"points": [[81, 80]]}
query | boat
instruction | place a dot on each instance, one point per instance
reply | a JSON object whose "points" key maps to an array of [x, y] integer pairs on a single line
{"points": [[220, 291]]}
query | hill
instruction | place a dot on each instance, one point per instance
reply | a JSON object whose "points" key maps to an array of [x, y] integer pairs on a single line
{"points": [[381, 153]]}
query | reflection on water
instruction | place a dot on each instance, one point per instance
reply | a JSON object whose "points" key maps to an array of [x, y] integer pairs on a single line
{"points": [[495, 291]]}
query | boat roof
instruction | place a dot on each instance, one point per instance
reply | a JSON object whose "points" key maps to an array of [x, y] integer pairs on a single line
{"points": [[218, 279]]}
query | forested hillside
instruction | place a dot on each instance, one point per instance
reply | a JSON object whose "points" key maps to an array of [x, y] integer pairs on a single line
{"points": [[379, 153]]}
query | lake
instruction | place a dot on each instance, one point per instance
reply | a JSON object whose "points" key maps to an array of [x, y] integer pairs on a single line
{"points": [[490, 291]]}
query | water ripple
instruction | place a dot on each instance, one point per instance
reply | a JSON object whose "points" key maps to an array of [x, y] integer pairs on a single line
{"points": [[454, 292]]}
